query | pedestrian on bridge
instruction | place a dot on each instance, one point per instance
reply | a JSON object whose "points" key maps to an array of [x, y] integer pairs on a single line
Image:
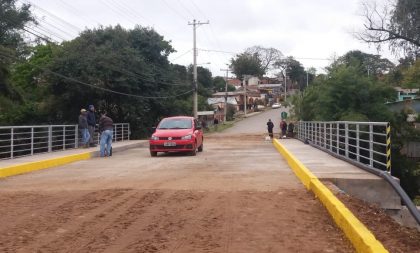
{"points": [[83, 128], [290, 129], [91, 120], [270, 127], [106, 128], [283, 128]]}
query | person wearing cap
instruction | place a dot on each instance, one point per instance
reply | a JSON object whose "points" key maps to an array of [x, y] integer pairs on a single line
{"points": [[91, 120], [83, 128]]}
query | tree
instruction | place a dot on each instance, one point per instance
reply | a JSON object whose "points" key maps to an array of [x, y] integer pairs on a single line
{"points": [[72, 75], [294, 70], [411, 76], [397, 24], [12, 22], [247, 64], [345, 94], [367, 64], [267, 56], [219, 84]]}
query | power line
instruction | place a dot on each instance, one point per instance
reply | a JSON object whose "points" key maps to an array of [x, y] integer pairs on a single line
{"points": [[174, 10], [176, 58], [75, 28], [97, 87], [135, 74], [234, 53], [185, 8]]}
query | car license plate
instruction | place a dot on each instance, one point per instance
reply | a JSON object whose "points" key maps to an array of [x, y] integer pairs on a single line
{"points": [[169, 144]]}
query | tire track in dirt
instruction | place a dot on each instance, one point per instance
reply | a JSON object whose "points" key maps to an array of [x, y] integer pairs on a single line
{"points": [[118, 226], [161, 226], [18, 208], [34, 228], [80, 228]]}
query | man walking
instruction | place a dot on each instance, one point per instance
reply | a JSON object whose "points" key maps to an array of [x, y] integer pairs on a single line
{"points": [[270, 127], [83, 128], [91, 120], [106, 127]]}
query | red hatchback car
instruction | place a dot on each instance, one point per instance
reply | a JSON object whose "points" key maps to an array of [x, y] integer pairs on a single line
{"points": [[177, 134]]}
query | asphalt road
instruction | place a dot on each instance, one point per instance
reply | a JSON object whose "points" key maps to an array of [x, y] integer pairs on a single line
{"points": [[257, 124]]}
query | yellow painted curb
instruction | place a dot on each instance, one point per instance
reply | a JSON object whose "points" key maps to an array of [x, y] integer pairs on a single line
{"points": [[362, 239], [44, 164]]}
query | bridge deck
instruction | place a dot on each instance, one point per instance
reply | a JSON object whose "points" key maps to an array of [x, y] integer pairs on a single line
{"points": [[62, 153], [323, 165], [347, 177]]}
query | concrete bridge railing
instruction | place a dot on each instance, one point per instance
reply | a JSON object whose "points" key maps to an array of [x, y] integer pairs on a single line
{"points": [[17, 141]]}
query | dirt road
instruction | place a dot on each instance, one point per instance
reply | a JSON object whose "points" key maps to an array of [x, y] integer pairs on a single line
{"points": [[237, 196]]}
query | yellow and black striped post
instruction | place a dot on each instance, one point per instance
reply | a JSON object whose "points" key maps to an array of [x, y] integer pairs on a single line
{"points": [[388, 148]]}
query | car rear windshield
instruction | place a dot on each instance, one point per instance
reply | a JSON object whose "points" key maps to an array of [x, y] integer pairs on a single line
{"points": [[175, 124]]}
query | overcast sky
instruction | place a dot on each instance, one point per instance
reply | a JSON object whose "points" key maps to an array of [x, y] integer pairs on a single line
{"points": [[305, 29]]}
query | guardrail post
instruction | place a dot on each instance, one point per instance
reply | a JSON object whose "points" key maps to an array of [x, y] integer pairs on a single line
{"points": [[32, 141], [337, 133], [64, 137], [129, 131], [312, 134], [331, 137], [325, 135], [346, 133], [12, 140], [122, 132], [388, 147], [357, 143], [49, 138], [371, 145], [318, 133], [115, 133], [76, 136]]}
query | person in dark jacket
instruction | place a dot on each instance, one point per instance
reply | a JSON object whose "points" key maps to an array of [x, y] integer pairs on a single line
{"points": [[283, 127], [106, 127], [83, 128], [270, 127], [290, 129], [91, 120]]}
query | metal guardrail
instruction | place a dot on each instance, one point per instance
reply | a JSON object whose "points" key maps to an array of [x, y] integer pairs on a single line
{"points": [[366, 145], [17, 141]]}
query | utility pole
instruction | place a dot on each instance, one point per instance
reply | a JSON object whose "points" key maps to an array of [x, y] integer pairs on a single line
{"points": [[307, 79], [195, 24], [226, 93], [285, 83], [244, 85]]}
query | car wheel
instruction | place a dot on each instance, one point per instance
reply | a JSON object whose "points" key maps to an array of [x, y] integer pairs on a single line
{"points": [[153, 153], [200, 149]]}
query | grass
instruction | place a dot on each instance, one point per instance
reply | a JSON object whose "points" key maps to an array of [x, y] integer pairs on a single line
{"points": [[220, 127], [417, 201]]}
